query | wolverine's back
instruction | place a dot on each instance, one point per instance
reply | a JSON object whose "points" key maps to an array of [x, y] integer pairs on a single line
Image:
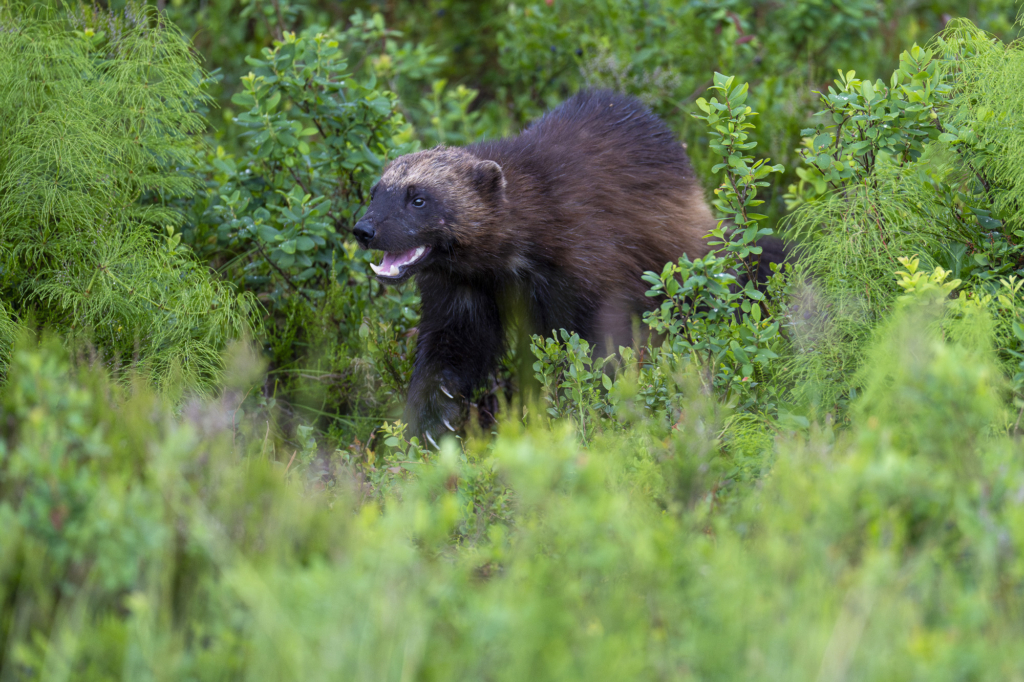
{"points": [[602, 191]]}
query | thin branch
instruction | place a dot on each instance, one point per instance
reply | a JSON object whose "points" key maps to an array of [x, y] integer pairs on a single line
{"points": [[280, 19], [299, 181], [283, 274]]}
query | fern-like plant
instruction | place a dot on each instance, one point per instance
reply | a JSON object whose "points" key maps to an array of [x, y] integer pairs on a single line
{"points": [[98, 113]]}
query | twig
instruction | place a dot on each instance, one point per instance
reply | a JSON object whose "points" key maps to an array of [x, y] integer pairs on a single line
{"points": [[284, 274], [298, 180], [280, 19]]}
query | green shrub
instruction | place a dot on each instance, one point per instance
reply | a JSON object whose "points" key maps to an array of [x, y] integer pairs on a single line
{"points": [[315, 141], [572, 379], [97, 122], [279, 218], [922, 166]]}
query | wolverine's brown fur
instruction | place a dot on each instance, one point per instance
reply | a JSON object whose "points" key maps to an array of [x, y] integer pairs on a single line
{"points": [[566, 216]]}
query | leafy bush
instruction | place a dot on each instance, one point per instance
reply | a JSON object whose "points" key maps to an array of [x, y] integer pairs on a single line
{"points": [[906, 172], [699, 320], [280, 213], [287, 204], [572, 378], [705, 314]]}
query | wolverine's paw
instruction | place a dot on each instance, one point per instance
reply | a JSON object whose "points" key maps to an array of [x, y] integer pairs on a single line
{"points": [[441, 412], [445, 415]]}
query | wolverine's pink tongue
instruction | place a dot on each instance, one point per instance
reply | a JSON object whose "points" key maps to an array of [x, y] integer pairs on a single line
{"points": [[389, 267]]}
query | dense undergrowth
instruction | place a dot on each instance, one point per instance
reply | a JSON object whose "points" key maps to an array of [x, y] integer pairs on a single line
{"points": [[140, 545], [201, 475]]}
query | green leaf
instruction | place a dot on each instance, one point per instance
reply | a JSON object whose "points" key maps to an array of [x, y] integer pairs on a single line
{"points": [[721, 80], [989, 223], [267, 233], [273, 101], [867, 90], [381, 105], [243, 99]]}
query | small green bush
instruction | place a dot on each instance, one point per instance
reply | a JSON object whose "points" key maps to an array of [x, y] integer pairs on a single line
{"points": [[277, 220], [922, 166], [98, 119]]}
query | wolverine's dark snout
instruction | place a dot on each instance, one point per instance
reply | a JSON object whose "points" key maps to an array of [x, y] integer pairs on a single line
{"points": [[364, 232]]}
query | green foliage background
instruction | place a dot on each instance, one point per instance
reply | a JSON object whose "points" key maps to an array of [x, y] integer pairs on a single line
{"points": [[201, 475]]}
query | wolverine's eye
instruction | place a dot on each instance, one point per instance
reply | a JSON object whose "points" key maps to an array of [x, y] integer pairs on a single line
{"points": [[419, 202]]}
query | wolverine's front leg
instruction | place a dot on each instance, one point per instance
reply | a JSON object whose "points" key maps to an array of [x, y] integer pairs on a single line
{"points": [[460, 341]]}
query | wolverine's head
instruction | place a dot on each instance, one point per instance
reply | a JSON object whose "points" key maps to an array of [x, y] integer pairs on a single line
{"points": [[424, 206]]}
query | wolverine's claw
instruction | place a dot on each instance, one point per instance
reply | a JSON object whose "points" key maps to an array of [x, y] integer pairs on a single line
{"points": [[426, 434], [447, 424], [445, 391]]}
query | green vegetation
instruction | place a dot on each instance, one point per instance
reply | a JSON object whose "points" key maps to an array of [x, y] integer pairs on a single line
{"points": [[201, 472], [96, 129]]}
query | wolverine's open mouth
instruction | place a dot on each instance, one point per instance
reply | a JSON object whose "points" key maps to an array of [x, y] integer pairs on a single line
{"points": [[395, 265]]}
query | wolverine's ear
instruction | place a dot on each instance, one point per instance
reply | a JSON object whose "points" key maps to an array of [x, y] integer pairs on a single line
{"points": [[488, 178]]}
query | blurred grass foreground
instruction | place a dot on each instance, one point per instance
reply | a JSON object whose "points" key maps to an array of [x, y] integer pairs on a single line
{"points": [[137, 545]]}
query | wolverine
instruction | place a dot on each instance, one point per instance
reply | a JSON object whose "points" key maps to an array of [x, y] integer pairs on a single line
{"points": [[559, 223]]}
